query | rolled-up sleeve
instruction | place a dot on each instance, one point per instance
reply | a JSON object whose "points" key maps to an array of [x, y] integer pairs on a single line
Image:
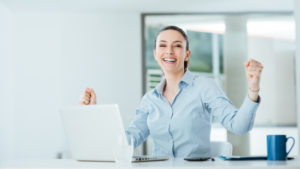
{"points": [[238, 121], [138, 129]]}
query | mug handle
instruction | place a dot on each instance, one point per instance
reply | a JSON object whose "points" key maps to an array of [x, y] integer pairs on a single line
{"points": [[291, 146]]}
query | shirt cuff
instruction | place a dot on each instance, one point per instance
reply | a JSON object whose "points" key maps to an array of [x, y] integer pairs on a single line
{"points": [[250, 105], [257, 102]]}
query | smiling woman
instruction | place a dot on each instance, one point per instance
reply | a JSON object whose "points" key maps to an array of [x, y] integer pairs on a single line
{"points": [[178, 111]]}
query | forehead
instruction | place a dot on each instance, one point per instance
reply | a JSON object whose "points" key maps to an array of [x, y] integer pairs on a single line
{"points": [[170, 36]]}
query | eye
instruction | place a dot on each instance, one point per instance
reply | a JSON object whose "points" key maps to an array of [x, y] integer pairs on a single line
{"points": [[162, 45], [178, 46]]}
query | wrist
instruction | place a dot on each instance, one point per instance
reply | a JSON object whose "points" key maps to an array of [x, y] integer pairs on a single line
{"points": [[253, 94]]}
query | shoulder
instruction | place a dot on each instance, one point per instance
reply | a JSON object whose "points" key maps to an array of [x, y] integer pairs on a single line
{"points": [[204, 82], [148, 95], [207, 87], [146, 103], [147, 98]]}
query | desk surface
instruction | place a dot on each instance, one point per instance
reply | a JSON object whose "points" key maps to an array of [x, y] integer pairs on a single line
{"points": [[172, 163]]}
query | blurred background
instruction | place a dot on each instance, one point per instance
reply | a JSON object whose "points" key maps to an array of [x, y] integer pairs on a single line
{"points": [[50, 51]]}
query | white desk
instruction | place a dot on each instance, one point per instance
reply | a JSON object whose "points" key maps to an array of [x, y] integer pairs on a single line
{"points": [[173, 163]]}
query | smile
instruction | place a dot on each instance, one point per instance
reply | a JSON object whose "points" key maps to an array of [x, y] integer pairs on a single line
{"points": [[172, 60]]}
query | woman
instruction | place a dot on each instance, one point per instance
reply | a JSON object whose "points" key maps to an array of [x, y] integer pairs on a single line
{"points": [[178, 112]]}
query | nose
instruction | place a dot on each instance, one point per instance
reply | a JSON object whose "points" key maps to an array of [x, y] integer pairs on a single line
{"points": [[170, 50]]}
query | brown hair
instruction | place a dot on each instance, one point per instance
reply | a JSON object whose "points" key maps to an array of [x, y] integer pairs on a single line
{"points": [[186, 63]]}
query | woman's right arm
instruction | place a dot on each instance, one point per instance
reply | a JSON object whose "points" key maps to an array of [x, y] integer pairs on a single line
{"points": [[138, 128]]}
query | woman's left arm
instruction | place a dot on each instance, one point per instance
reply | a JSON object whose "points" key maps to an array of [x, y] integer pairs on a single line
{"points": [[238, 121], [253, 70]]}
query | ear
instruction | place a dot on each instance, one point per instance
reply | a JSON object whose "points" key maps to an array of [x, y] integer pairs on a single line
{"points": [[187, 56]]}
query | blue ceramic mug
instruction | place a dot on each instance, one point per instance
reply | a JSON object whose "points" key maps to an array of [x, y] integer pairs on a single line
{"points": [[276, 147]]}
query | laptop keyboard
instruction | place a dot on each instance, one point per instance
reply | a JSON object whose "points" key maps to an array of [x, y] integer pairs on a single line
{"points": [[148, 158]]}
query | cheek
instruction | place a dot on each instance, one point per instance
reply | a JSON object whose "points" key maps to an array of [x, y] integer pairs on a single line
{"points": [[181, 52], [159, 53]]}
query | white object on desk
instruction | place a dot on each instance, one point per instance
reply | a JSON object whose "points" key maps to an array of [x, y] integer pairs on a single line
{"points": [[220, 148]]}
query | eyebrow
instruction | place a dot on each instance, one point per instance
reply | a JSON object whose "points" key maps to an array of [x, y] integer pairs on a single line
{"points": [[172, 42]]}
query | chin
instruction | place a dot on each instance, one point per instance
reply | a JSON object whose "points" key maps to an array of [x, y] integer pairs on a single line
{"points": [[172, 70]]}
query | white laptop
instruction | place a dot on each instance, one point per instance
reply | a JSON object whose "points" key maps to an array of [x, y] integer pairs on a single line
{"points": [[92, 131]]}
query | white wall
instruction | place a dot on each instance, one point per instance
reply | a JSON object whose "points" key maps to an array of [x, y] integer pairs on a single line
{"points": [[278, 105], [57, 55], [6, 83], [258, 139]]}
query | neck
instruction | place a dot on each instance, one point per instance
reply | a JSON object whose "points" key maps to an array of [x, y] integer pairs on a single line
{"points": [[173, 79]]}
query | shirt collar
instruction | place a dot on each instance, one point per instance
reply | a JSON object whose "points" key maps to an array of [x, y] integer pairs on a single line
{"points": [[187, 79]]}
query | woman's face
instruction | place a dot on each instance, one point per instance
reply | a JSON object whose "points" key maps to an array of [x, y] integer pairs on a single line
{"points": [[170, 51]]}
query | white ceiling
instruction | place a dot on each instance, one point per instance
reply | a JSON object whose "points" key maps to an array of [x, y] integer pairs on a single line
{"points": [[151, 5]]}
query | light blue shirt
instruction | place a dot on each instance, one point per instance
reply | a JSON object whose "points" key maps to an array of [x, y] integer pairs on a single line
{"points": [[183, 128]]}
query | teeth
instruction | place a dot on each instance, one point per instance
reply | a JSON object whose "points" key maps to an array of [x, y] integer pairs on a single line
{"points": [[169, 60]]}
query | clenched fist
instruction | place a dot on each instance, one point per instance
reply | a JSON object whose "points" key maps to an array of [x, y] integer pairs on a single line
{"points": [[253, 70], [88, 97]]}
